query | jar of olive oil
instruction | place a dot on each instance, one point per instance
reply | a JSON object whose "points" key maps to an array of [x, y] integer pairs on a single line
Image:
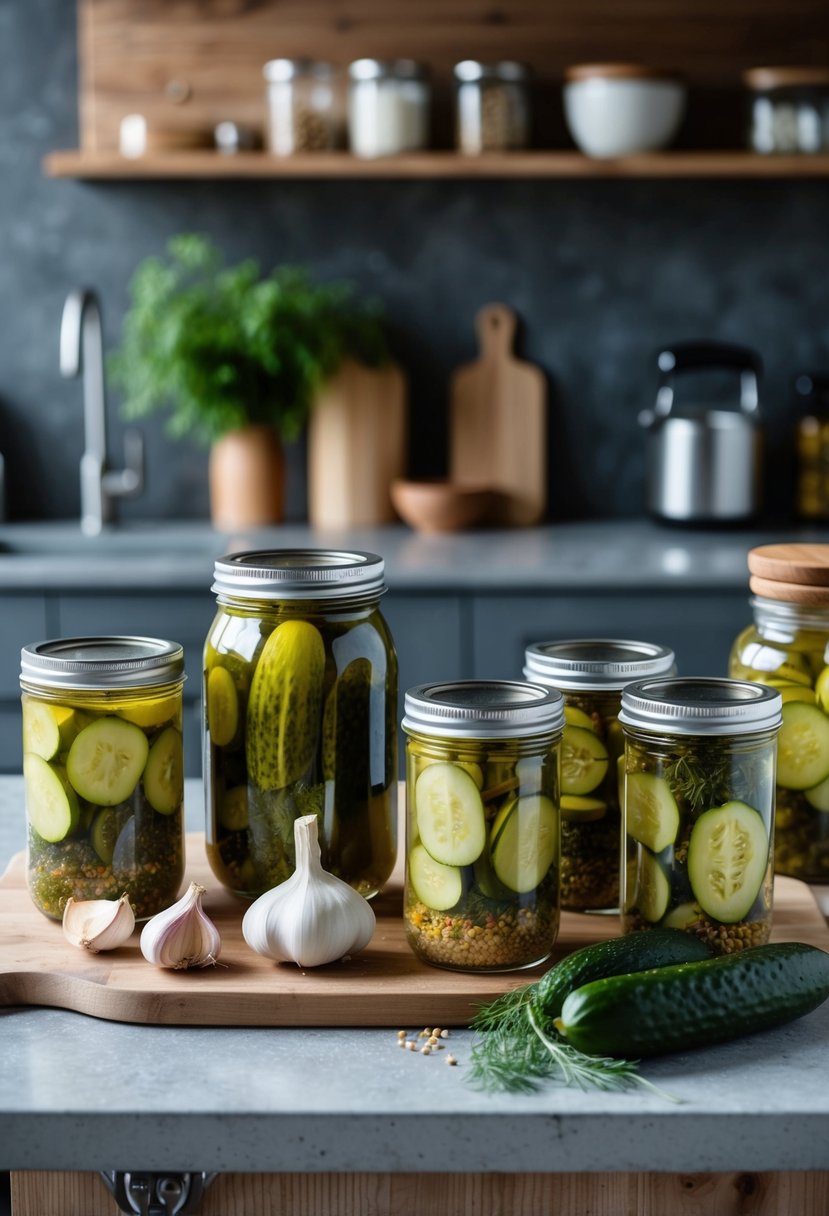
{"points": [[103, 771], [786, 648], [591, 674], [482, 843], [698, 807], [300, 699]]}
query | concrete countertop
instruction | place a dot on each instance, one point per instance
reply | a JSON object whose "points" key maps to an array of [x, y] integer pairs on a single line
{"points": [[83, 1094], [634, 554]]}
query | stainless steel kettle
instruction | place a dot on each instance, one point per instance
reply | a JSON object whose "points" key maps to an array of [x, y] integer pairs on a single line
{"points": [[704, 463]]}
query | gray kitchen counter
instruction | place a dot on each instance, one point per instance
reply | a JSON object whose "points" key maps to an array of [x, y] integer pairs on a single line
{"points": [[77, 1093]]}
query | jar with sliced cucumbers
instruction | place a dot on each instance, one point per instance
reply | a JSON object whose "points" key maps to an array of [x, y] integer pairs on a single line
{"points": [[787, 648], [103, 771], [591, 673], [698, 808], [482, 816], [300, 700]]}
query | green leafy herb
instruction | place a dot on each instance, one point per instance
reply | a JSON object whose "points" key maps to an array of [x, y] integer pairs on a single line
{"points": [[224, 348]]}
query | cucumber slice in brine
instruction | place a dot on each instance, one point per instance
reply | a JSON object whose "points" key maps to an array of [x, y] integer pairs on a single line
{"points": [[45, 727], [577, 808], [818, 796], [728, 855], [51, 803], [164, 772], [584, 760], [651, 812], [435, 885], [106, 761], [574, 716], [653, 888], [527, 844], [450, 814], [802, 747]]}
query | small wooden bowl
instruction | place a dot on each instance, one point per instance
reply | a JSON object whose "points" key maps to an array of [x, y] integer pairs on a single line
{"points": [[440, 506]]}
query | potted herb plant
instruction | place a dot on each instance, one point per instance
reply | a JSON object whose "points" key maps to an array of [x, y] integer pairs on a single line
{"points": [[237, 358]]}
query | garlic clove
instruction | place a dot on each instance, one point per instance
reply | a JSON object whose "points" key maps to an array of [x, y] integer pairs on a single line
{"points": [[98, 924], [313, 917], [183, 935]]}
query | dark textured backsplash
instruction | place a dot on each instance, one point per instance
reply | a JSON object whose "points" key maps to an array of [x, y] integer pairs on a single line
{"points": [[601, 272]]}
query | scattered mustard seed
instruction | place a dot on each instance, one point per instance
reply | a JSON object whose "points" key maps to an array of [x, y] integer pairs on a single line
{"points": [[451, 1060], [425, 1050]]}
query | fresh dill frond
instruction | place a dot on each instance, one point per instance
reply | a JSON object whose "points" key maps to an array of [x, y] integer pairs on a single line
{"points": [[505, 1013]]}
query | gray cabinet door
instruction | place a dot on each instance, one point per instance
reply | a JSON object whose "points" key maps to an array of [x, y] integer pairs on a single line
{"points": [[700, 628]]}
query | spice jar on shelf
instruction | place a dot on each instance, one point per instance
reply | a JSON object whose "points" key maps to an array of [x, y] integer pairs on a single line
{"points": [[698, 808], [789, 109], [388, 107], [482, 813], [811, 392], [492, 107], [302, 111], [787, 648], [591, 674]]}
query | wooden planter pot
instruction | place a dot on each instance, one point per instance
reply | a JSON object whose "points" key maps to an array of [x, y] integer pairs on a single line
{"points": [[247, 479]]}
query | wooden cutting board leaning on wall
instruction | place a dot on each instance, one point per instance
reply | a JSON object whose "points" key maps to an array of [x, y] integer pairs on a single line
{"points": [[498, 423], [356, 446]]}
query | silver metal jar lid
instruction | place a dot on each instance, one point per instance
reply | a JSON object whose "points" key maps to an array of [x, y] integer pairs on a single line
{"points": [[596, 663], [279, 70], [300, 574], [101, 662], [483, 709], [469, 70], [701, 706], [387, 69]]}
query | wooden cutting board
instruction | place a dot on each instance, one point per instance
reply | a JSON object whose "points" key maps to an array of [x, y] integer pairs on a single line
{"points": [[498, 423], [384, 986]]}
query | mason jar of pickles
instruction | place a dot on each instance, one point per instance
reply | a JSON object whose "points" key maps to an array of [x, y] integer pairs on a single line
{"points": [[300, 700], [482, 835], [698, 808], [786, 648], [591, 674], [103, 771]]}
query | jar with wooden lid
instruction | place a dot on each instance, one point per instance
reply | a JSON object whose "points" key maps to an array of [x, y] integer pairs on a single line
{"points": [[482, 815], [786, 648], [300, 700], [591, 674], [698, 808], [789, 109], [103, 771]]}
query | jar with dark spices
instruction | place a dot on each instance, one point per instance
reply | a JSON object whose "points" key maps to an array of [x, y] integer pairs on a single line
{"points": [[492, 107], [789, 109], [698, 808], [300, 701], [787, 648], [482, 815], [591, 674], [103, 771], [811, 390], [302, 114]]}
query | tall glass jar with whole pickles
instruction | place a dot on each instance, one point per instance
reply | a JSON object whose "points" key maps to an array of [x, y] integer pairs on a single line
{"points": [[591, 673], [482, 837], [103, 771], [786, 648], [698, 808], [300, 698]]}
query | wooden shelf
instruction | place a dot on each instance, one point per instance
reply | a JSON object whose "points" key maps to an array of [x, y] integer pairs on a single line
{"points": [[100, 166]]}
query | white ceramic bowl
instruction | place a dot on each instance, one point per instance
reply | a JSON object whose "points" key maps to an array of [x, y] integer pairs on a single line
{"points": [[622, 115]]}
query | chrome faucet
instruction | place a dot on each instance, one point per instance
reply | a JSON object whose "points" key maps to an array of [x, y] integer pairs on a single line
{"points": [[82, 352]]}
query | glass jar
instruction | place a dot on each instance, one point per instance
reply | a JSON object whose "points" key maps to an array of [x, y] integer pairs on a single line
{"points": [[388, 107], [302, 113], [492, 107], [591, 674], [789, 109], [300, 717], [812, 445], [103, 771], [482, 835], [786, 648], [698, 808]]}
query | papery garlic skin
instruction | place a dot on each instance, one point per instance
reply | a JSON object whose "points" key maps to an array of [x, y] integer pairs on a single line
{"points": [[183, 935], [98, 924], [313, 917]]}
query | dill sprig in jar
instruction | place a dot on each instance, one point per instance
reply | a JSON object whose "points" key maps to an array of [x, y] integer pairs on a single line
{"points": [[591, 674], [698, 808], [300, 702], [103, 771], [787, 648], [482, 840]]}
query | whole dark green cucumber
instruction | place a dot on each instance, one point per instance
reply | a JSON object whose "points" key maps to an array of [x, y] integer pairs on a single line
{"points": [[693, 1004]]}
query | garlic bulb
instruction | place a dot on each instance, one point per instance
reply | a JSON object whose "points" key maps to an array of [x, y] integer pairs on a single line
{"points": [[183, 935], [313, 917], [98, 924]]}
